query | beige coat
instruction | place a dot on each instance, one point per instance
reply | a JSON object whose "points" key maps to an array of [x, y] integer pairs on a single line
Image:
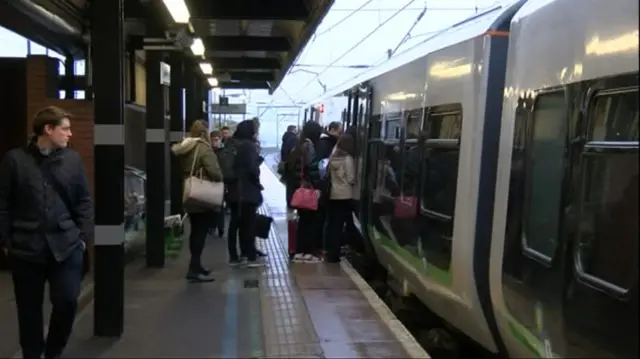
{"points": [[343, 176]]}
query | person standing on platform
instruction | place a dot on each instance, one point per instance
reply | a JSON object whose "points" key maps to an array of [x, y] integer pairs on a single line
{"points": [[46, 219], [218, 221], [244, 195], [198, 157], [301, 169], [339, 206], [225, 131]]}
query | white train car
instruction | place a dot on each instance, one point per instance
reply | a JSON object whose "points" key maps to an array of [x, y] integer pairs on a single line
{"points": [[564, 258], [449, 87]]}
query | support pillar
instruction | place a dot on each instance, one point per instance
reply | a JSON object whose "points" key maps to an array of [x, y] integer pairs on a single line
{"points": [[176, 125], [107, 35], [157, 134], [204, 99], [191, 80], [69, 80]]}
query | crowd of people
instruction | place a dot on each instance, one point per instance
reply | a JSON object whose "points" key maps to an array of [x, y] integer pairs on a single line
{"points": [[320, 231], [235, 159]]}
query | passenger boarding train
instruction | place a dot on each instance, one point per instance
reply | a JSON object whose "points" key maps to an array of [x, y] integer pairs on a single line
{"points": [[498, 177]]}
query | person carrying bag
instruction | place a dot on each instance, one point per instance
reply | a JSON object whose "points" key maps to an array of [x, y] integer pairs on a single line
{"points": [[203, 192]]}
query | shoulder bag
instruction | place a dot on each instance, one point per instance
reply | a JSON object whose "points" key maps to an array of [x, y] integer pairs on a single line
{"points": [[305, 198], [199, 192]]}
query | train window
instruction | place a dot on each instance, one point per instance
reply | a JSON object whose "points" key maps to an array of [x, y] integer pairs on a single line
{"points": [[608, 218], [414, 123], [439, 183], [393, 127], [544, 176], [445, 125], [615, 116]]}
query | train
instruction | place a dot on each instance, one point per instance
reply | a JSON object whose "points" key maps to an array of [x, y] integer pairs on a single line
{"points": [[498, 179]]}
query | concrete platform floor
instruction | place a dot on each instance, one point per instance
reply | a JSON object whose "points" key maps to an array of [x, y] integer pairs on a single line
{"points": [[281, 310]]}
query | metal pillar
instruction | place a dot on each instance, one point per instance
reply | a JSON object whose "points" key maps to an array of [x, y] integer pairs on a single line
{"points": [[176, 125], [107, 45], [69, 80], [191, 90], [157, 134]]}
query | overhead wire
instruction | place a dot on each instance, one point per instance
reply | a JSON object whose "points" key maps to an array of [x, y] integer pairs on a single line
{"points": [[358, 43], [407, 35], [344, 18]]}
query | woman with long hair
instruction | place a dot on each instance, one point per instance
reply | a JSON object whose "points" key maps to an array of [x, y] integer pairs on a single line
{"points": [[301, 169], [196, 149], [244, 196], [342, 177]]}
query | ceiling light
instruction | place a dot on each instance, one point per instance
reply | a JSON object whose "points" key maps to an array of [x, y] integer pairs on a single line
{"points": [[178, 10], [213, 82], [197, 47], [206, 68]]}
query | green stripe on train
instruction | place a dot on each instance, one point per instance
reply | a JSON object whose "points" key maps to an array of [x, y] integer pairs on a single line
{"points": [[440, 276], [443, 277]]}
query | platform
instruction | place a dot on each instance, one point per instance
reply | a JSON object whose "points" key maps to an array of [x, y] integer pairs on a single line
{"points": [[281, 310]]}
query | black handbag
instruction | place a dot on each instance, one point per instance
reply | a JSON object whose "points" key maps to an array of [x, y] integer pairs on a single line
{"points": [[262, 226]]}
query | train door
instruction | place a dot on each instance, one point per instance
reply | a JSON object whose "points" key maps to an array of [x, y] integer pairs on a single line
{"points": [[570, 265], [601, 296]]}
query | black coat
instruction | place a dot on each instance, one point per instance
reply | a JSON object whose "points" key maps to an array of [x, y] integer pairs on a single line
{"points": [[45, 203], [325, 146], [247, 189]]}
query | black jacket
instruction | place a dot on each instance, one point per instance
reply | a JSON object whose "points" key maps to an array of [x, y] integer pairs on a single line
{"points": [[247, 189], [288, 143], [325, 145], [34, 217]]}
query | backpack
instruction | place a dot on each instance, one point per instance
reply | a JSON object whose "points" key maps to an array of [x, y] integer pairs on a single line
{"points": [[227, 160]]}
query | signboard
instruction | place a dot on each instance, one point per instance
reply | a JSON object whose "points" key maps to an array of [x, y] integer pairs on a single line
{"points": [[231, 109], [165, 74]]}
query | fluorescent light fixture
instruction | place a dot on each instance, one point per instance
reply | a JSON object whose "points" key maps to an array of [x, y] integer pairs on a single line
{"points": [[178, 11], [197, 47], [213, 82], [206, 68]]}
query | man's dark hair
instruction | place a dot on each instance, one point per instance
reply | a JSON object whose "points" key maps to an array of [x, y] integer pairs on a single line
{"points": [[291, 128], [225, 128], [335, 125], [48, 116], [214, 134]]}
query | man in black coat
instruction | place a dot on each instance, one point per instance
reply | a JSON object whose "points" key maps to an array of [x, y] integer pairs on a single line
{"points": [[46, 219], [328, 140]]}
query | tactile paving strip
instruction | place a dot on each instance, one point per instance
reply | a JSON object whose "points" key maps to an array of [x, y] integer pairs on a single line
{"points": [[288, 330]]}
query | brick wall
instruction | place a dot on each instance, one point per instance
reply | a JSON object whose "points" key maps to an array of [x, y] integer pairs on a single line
{"points": [[82, 110], [39, 79]]}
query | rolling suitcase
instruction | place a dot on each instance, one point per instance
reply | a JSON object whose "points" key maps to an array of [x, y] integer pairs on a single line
{"points": [[292, 226]]}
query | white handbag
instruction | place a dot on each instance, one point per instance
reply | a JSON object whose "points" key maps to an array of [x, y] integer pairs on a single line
{"points": [[200, 193]]}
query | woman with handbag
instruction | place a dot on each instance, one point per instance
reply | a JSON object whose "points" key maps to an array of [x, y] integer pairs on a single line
{"points": [[302, 179], [199, 162]]}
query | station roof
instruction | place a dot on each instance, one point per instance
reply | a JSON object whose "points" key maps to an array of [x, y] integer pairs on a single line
{"points": [[251, 43]]}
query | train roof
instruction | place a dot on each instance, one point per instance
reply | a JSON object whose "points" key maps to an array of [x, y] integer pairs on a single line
{"points": [[464, 30]]}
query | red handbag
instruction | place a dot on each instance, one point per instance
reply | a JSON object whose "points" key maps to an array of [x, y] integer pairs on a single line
{"points": [[405, 207], [305, 197]]}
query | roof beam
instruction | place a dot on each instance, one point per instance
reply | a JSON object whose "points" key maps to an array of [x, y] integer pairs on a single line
{"points": [[228, 63], [248, 9], [247, 43], [252, 76], [252, 85]]}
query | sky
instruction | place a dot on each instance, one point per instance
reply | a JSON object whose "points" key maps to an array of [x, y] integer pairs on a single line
{"points": [[355, 35]]}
